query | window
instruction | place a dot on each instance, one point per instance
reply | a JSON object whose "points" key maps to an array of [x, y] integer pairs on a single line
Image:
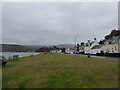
{"points": [[115, 48]]}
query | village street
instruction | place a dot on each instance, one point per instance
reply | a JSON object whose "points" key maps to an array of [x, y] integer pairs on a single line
{"points": [[102, 57]]}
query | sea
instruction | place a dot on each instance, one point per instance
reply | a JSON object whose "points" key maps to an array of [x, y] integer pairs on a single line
{"points": [[20, 54]]}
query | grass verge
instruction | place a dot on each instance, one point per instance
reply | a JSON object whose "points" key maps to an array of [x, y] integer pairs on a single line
{"points": [[60, 71]]}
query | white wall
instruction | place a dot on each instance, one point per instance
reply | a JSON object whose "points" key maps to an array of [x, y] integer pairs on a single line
{"points": [[95, 51], [88, 49], [110, 48]]}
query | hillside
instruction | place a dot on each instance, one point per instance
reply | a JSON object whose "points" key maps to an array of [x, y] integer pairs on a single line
{"points": [[37, 46], [14, 48], [24, 48], [66, 46]]}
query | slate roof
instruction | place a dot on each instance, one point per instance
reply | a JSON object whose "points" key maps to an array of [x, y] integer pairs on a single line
{"points": [[96, 47], [89, 43], [114, 40]]}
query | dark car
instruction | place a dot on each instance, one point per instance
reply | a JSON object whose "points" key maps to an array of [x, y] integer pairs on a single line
{"points": [[3, 61]]}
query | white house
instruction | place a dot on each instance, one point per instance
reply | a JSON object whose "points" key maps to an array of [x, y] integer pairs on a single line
{"points": [[81, 47], [111, 48], [92, 47], [112, 45], [96, 49], [69, 51]]}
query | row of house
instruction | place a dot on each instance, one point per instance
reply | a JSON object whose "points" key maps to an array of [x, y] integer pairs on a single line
{"points": [[110, 46]]}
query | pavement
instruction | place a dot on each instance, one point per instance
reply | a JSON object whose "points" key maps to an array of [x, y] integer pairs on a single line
{"points": [[102, 57]]}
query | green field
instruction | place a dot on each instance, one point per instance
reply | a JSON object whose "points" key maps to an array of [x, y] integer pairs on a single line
{"points": [[60, 71]]}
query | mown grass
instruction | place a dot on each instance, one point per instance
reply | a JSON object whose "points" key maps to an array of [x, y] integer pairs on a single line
{"points": [[60, 71]]}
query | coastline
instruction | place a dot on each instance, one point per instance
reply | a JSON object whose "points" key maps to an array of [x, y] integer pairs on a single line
{"points": [[20, 54]]}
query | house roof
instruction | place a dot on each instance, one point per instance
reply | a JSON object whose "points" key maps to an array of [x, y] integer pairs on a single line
{"points": [[91, 43], [113, 40], [96, 47]]}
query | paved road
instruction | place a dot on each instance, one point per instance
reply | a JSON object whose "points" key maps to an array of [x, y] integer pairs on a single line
{"points": [[103, 57]]}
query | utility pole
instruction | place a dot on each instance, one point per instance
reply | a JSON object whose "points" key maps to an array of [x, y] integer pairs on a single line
{"points": [[75, 45], [75, 41]]}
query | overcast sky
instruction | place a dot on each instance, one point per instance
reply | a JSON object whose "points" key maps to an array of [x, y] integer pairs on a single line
{"points": [[57, 23]]}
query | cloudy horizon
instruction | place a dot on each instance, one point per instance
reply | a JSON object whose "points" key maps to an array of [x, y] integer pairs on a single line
{"points": [[57, 23]]}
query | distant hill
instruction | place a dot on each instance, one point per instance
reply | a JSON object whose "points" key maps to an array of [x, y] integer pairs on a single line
{"points": [[58, 46], [14, 48], [25, 48], [38, 46], [66, 46]]}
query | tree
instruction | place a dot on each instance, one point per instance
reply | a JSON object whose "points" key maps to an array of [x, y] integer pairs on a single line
{"points": [[113, 33], [43, 49], [63, 50], [55, 48]]}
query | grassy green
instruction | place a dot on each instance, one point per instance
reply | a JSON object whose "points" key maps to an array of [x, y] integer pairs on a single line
{"points": [[60, 71]]}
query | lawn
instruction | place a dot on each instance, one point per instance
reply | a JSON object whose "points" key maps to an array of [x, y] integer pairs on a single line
{"points": [[60, 71]]}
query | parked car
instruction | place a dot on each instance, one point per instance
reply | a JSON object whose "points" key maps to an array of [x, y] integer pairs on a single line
{"points": [[3, 61]]}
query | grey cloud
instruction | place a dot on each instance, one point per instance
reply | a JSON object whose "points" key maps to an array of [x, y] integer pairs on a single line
{"points": [[57, 23]]}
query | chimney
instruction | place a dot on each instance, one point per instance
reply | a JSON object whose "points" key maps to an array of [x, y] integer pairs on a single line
{"points": [[95, 39], [88, 41]]}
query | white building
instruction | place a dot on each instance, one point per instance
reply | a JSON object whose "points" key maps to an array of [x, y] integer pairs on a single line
{"points": [[69, 51], [112, 45], [81, 47], [92, 47]]}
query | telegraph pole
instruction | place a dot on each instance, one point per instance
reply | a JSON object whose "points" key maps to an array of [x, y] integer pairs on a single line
{"points": [[75, 41], [75, 45]]}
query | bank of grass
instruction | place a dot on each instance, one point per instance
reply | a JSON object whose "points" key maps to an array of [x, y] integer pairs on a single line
{"points": [[60, 71]]}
